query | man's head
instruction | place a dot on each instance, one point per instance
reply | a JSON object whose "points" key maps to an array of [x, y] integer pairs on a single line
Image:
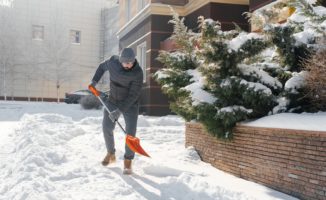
{"points": [[127, 58]]}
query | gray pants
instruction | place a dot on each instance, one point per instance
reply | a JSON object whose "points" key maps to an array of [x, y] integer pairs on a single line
{"points": [[131, 117]]}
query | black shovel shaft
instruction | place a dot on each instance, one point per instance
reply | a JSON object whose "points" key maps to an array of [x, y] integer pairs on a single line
{"points": [[121, 127], [109, 112]]}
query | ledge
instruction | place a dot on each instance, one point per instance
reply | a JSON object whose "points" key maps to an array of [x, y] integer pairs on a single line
{"points": [[165, 9]]}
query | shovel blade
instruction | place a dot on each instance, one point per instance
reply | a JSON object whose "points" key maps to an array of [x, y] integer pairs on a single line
{"points": [[134, 144]]}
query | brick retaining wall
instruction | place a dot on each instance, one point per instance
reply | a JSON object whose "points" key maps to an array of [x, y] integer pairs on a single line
{"points": [[290, 161]]}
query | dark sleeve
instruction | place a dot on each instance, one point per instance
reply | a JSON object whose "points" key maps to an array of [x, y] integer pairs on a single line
{"points": [[134, 92], [99, 73]]}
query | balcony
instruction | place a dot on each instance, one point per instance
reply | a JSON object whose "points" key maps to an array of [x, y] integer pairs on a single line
{"points": [[171, 2]]}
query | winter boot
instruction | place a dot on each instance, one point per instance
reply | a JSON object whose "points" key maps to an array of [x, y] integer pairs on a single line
{"points": [[127, 167], [109, 158]]}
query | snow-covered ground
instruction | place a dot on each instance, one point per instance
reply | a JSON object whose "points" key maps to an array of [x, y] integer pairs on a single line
{"points": [[53, 151]]}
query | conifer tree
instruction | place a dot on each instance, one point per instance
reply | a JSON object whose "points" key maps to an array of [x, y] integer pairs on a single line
{"points": [[220, 77], [174, 77]]}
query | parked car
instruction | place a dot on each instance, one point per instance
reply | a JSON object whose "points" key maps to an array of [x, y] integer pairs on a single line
{"points": [[74, 97]]}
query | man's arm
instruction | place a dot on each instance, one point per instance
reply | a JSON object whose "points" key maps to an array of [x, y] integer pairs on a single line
{"points": [[99, 73], [134, 93]]}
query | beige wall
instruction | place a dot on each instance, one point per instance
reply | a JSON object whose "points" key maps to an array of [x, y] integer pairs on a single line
{"points": [[133, 12], [156, 7], [31, 76]]}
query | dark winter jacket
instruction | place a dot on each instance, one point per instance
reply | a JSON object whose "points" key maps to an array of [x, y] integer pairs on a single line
{"points": [[125, 85]]}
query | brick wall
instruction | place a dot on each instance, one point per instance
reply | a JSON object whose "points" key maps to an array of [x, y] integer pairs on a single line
{"points": [[290, 161]]}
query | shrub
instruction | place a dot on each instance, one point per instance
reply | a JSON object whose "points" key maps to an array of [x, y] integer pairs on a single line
{"points": [[316, 80], [90, 102], [219, 78]]}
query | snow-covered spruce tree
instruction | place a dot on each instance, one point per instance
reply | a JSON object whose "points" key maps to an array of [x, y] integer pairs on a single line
{"points": [[235, 75], [242, 90], [174, 77], [206, 84], [295, 41]]}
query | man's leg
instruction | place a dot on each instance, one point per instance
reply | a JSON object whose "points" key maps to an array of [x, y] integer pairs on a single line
{"points": [[108, 127], [131, 117]]}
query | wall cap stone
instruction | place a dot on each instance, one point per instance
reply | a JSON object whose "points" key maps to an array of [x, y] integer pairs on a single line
{"points": [[268, 129]]}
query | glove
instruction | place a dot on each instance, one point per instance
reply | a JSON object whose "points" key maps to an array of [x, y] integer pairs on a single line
{"points": [[114, 115], [103, 96]]}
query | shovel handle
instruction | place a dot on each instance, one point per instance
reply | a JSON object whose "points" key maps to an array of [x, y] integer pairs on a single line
{"points": [[132, 142], [97, 94]]}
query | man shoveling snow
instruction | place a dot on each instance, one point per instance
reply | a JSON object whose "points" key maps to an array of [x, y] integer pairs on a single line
{"points": [[126, 80]]}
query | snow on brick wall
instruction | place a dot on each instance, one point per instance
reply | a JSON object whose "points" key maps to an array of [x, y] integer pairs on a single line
{"points": [[290, 161]]}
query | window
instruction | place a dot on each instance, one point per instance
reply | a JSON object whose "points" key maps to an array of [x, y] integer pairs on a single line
{"points": [[141, 57], [75, 36], [141, 4], [128, 10], [37, 32]]}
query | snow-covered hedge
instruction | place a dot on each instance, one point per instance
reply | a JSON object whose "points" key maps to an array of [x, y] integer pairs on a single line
{"points": [[222, 77]]}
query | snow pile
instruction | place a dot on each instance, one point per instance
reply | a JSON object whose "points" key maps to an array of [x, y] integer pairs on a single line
{"points": [[52, 156], [43, 156], [13, 111]]}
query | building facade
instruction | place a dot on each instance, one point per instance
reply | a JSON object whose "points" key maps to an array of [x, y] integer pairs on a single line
{"points": [[49, 47], [109, 28], [144, 27]]}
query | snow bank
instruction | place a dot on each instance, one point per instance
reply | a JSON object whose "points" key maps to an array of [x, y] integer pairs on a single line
{"points": [[57, 156], [14, 110]]}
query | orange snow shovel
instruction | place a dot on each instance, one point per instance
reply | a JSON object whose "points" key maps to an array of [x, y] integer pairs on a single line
{"points": [[132, 142]]}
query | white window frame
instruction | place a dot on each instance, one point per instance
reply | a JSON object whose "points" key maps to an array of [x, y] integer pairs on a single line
{"points": [[128, 10], [73, 36], [142, 57], [141, 4], [37, 32]]}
